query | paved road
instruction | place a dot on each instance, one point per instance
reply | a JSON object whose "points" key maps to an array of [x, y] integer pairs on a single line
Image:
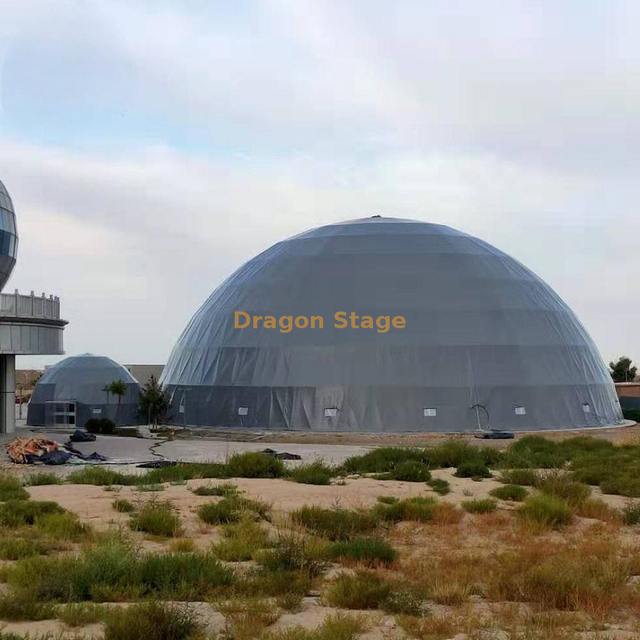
{"points": [[130, 450]]}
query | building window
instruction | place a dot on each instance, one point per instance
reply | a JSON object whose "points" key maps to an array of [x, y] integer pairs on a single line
{"points": [[520, 411], [330, 412], [429, 412], [586, 407], [243, 411]]}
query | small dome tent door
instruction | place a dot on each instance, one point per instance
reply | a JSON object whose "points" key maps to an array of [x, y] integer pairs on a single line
{"points": [[60, 414]]}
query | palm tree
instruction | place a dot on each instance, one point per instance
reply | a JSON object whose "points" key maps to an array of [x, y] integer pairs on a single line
{"points": [[117, 388]]}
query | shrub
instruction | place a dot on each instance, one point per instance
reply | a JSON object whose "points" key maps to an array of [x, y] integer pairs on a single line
{"points": [[123, 506], [247, 618], [511, 492], [221, 490], [545, 511], [293, 552], [487, 505], [599, 510], [335, 524], [420, 509], [264, 582], [42, 478], [473, 469], [313, 473], [585, 578], [18, 548], [63, 526], [625, 483], [387, 499], [364, 590], [230, 510], [150, 487], [104, 426], [12, 489], [441, 487], [240, 541], [185, 471], [403, 601], [81, 614], [631, 513], [157, 519], [15, 607], [152, 620], [254, 465], [562, 486], [383, 459], [535, 452], [369, 551], [17, 513], [338, 626], [411, 471], [526, 477], [114, 571], [456, 451], [101, 476]]}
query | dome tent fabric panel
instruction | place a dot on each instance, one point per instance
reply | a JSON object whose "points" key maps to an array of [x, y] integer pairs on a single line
{"points": [[481, 329], [82, 380]]}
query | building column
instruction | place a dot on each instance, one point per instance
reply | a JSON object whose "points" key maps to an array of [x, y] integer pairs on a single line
{"points": [[7, 393]]}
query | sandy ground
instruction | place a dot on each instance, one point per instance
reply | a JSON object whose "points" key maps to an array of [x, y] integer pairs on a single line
{"points": [[94, 505]]}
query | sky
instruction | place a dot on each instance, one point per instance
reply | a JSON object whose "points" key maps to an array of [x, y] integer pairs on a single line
{"points": [[151, 148]]}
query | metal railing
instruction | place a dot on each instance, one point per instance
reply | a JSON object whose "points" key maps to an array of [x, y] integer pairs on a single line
{"points": [[17, 305]]}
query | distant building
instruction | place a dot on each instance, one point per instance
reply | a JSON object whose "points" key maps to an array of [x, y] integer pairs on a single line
{"points": [[628, 389], [142, 372], [30, 325], [75, 390]]}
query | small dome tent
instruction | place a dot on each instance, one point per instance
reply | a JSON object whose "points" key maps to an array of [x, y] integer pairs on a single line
{"points": [[482, 342], [74, 390]]}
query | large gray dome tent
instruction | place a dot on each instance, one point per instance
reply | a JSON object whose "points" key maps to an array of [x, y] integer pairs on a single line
{"points": [[73, 390], [486, 344]]}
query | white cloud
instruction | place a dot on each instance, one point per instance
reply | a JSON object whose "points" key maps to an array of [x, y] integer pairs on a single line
{"points": [[513, 121], [134, 244]]}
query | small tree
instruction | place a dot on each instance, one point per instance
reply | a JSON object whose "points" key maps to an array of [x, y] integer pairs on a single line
{"points": [[117, 388], [154, 403], [622, 371]]}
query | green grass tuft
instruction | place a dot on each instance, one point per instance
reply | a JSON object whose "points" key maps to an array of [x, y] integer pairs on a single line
{"points": [[254, 465], [487, 505], [232, 509], [335, 524], [369, 551], [241, 541], [224, 490], [526, 477], [510, 492], [441, 487], [42, 478], [17, 513], [473, 469], [113, 571], [152, 620], [545, 511], [19, 548], [158, 519], [312, 473], [11, 489], [101, 476], [123, 506], [560, 485]]}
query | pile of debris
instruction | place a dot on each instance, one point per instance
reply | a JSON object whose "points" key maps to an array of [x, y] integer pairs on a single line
{"points": [[39, 450]]}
